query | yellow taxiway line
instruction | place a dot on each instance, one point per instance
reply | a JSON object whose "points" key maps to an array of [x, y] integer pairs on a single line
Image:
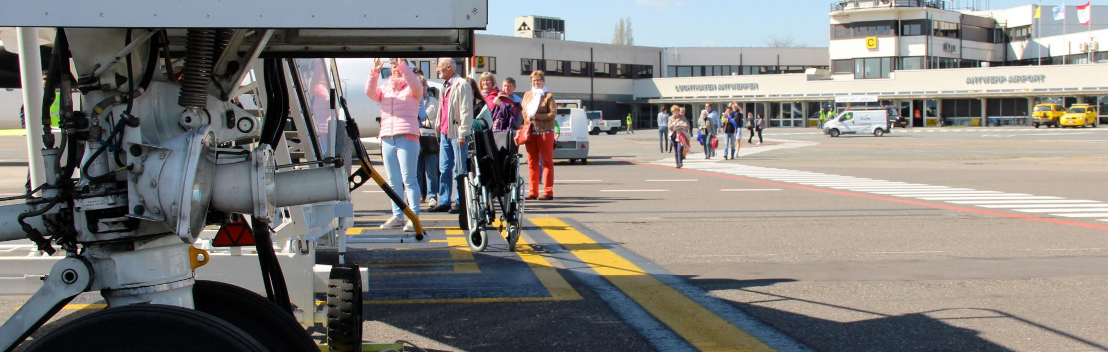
{"points": [[699, 326]]}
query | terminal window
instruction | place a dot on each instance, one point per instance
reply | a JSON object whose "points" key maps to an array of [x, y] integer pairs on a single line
{"points": [[945, 29], [1020, 33], [913, 27], [871, 68], [526, 66]]}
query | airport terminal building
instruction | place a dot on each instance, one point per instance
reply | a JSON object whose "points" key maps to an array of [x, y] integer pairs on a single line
{"points": [[968, 68]]}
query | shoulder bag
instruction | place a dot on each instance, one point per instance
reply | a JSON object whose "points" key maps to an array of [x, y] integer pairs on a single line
{"points": [[524, 133]]}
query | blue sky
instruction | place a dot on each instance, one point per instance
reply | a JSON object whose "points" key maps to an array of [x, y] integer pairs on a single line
{"points": [[713, 23]]}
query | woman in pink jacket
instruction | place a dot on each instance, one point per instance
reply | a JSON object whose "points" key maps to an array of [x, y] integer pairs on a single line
{"points": [[400, 98]]}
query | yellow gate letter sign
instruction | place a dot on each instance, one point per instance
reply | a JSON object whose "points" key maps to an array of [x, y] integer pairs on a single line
{"points": [[871, 42]]}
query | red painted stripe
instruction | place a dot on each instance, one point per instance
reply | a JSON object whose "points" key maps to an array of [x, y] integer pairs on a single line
{"points": [[887, 199]]}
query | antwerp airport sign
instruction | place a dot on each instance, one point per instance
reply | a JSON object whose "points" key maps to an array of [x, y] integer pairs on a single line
{"points": [[722, 87], [1015, 79]]}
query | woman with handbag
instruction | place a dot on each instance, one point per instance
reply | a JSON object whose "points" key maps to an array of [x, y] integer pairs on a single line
{"points": [[537, 134], [708, 130], [400, 98], [679, 132], [759, 125]]}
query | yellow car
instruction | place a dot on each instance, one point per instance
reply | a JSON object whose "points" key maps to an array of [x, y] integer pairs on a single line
{"points": [[1080, 115], [1047, 114]]}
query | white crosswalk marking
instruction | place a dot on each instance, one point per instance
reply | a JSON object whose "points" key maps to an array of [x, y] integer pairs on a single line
{"points": [[1040, 205], [979, 202], [1068, 210], [1090, 215], [1019, 202]]}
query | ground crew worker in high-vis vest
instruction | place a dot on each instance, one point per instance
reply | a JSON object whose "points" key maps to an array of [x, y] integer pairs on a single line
{"points": [[822, 117], [55, 110], [630, 128]]}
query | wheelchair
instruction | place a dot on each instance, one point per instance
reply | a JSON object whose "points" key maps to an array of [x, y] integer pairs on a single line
{"points": [[492, 178]]}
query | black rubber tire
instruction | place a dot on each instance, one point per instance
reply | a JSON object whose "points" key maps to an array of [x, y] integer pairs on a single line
{"points": [[595, 131], [344, 308], [478, 239], [147, 327], [1036, 125], [261, 318], [463, 204], [834, 133], [611, 132], [513, 231], [584, 161], [878, 132], [572, 161]]}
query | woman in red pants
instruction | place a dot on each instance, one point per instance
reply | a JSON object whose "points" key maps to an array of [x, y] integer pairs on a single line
{"points": [[539, 112]]}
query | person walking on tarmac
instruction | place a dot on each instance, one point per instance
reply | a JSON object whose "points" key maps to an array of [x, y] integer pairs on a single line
{"points": [[759, 125], [822, 117], [729, 128], [708, 131], [679, 130], [663, 131], [630, 124], [750, 122]]}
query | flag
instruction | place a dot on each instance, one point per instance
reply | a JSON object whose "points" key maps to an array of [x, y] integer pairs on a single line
{"points": [[1038, 12], [1085, 13], [1060, 12]]}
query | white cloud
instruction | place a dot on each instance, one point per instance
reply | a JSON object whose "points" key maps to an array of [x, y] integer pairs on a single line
{"points": [[708, 43], [659, 4]]}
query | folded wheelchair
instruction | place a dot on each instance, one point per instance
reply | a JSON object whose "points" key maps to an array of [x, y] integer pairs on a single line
{"points": [[492, 178]]}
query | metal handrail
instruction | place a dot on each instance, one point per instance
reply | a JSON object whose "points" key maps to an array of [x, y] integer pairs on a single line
{"points": [[848, 5]]}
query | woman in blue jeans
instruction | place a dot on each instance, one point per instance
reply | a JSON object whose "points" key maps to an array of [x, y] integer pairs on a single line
{"points": [[400, 98]]}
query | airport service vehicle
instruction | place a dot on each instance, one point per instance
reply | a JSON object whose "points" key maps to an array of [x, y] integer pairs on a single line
{"points": [[1047, 114], [598, 124], [572, 141], [1080, 115], [163, 158], [858, 121]]}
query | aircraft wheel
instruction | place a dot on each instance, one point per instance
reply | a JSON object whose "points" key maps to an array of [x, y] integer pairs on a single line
{"points": [[254, 314], [147, 327]]}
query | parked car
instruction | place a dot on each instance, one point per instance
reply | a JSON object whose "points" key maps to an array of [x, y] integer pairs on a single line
{"points": [[896, 120], [858, 121], [1080, 115], [598, 124], [1047, 114]]}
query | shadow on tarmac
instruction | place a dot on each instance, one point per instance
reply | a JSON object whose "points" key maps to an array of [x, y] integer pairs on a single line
{"points": [[920, 331]]}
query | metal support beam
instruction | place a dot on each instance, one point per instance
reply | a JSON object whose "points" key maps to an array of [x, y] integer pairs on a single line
{"points": [[30, 68]]}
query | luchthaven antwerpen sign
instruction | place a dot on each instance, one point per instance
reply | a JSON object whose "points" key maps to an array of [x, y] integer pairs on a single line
{"points": [[722, 87], [1014, 79]]}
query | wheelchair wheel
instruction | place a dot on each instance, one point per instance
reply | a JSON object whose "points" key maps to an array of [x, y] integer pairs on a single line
{"points": [[515, 219], [476, 234]]}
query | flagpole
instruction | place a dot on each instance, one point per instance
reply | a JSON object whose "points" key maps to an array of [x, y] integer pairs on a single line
{"points": [[1039, 30], [1065, 34]]}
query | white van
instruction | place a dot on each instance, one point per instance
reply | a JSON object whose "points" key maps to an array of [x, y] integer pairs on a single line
{"points": [[572, 141], [858, 121]]}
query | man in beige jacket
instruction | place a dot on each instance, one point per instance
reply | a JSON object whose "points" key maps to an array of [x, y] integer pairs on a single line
{"points": [[455, 121]]}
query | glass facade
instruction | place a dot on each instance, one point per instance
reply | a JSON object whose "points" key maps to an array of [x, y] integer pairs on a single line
{"points": [[871, 68], [585, 69], [733, 70]]}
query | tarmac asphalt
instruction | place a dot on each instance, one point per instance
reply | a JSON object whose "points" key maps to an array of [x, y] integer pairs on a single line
{"points": [[927, 239]]}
